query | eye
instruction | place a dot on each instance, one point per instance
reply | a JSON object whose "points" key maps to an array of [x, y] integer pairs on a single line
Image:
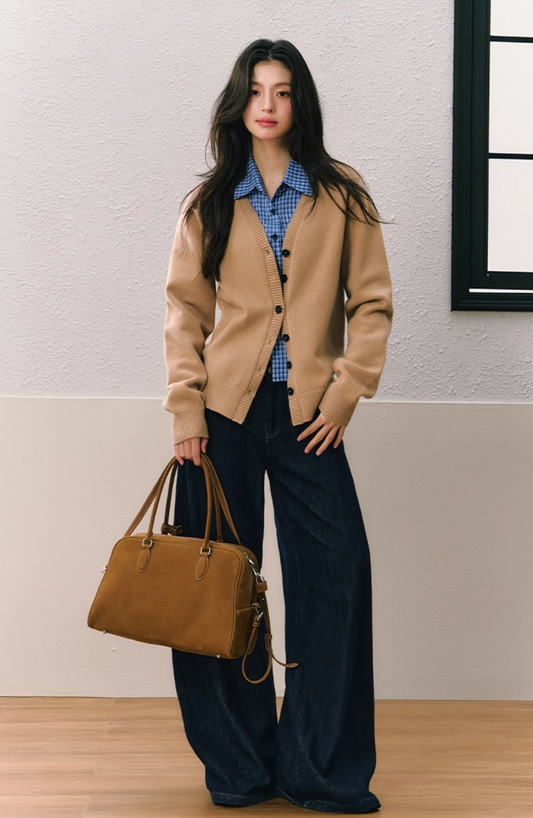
{"points": [[285, 92], [254, 91]]}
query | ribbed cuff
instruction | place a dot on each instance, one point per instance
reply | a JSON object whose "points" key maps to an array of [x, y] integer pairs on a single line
{"points": [[187, 424], [337, 406]]}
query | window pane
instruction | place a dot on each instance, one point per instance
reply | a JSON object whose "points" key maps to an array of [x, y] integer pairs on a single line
{"points": [[510, 248], [511, 98], [511, 18]]}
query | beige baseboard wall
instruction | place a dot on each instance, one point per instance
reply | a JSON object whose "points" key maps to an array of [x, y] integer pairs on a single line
{"points": [[447, 496]]}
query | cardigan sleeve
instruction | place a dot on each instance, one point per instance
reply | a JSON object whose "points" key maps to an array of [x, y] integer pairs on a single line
{"points": [[190, 319], [368, 308]]}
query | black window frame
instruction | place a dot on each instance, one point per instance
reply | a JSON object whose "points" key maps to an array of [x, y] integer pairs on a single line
{"points": [[470, 173]]}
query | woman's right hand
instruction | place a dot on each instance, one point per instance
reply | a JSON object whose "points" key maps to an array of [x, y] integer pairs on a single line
{"points": [[190, 449]]}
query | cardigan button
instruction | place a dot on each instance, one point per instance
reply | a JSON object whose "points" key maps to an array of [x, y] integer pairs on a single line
{"points": [[289, 364], [284, 278], [278, 308], [285, 337], [285, 252], [290, 390]]}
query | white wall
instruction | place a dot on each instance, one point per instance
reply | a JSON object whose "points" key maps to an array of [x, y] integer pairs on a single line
{"points": [[106, 108], [105, 115]]}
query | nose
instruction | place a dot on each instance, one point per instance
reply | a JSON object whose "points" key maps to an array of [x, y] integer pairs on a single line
{"points": [[267, 104]]}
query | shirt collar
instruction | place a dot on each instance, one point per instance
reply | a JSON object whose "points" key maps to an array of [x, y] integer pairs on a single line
{"points": [[295, 176]]}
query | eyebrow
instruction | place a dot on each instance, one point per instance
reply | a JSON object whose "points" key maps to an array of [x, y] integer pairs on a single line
{"points": [[275, 86]]}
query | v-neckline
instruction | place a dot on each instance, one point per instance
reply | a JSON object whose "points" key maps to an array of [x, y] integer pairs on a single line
{"points": [[298, 216]]}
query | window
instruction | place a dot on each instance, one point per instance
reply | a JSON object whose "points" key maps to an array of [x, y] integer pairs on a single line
{"points": [[492, 186]]}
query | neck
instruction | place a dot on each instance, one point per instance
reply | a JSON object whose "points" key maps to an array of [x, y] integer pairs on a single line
{"points": [[271, 157]]}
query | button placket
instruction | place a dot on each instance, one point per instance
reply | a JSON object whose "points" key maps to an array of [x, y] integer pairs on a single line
{"points": [[277, 260], [283, 278], [286, 337]]}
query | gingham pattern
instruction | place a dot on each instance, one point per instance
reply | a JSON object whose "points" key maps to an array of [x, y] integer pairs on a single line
{"points": [[275, 216]]}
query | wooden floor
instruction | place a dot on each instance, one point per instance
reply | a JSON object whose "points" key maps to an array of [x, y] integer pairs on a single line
{"points": [[71, 757]]}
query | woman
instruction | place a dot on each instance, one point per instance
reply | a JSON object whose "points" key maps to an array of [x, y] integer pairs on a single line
{"points": [[276, 234]]}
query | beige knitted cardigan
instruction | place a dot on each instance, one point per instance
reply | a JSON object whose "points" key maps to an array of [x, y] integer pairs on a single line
{"points": [[337, 279]]}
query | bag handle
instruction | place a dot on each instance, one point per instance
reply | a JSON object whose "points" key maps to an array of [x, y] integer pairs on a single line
{"points": [[146, 505], [155, 496], [219, 494], [166, 528], [209, 490]]}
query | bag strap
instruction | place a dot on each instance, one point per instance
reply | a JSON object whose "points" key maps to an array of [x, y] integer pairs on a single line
{"points": [[262, 610]]}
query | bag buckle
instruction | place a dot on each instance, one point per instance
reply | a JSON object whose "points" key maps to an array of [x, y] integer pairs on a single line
{"points": [[259, 611], [149, 544]]}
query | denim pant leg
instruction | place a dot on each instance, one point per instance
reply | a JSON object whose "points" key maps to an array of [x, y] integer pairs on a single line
{"points": [[321, 755], [325, 734], [229, 723]]}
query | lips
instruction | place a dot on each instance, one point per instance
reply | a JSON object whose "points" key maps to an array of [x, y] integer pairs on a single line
{"points": [[267, 121]]}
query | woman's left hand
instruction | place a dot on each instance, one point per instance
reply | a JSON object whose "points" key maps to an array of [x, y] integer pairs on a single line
{"points": [[326, 433]]}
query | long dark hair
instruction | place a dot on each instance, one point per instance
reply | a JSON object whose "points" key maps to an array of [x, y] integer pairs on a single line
{"points": [[230, 142]]}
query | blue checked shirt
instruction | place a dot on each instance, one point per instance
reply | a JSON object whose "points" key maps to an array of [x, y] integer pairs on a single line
{"points": [[275, 216]]}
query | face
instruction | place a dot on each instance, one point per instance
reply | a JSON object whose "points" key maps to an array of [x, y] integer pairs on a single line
{"points": [[270, 99]]}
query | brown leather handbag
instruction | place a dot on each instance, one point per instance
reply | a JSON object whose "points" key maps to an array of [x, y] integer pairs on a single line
{"points": [[187, 593]]}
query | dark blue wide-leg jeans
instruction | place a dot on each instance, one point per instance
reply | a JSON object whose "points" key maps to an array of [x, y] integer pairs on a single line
{"points": [[321, 754]]}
